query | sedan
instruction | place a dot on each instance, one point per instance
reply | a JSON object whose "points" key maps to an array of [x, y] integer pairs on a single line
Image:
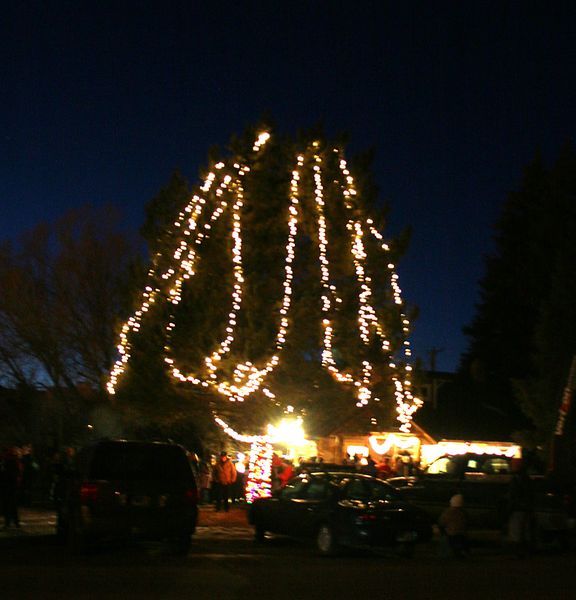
{"points": [[339, 509]]}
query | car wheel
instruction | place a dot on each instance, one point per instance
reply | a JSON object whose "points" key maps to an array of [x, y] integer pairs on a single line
{"points": [[61, 530], [259, 533], [406, 549], [326, 540], [76, 540], [180, 546]]}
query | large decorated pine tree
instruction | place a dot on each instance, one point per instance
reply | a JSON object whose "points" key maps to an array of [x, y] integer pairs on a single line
{"points": [[271, 288]]}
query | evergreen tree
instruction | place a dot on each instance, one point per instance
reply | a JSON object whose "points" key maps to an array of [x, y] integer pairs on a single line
{"points": [[522, 337], [161, 212], [201, 318], [555, 332]]}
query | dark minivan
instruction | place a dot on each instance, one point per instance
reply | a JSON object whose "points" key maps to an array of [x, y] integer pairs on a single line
{"points": [[122, 489]]}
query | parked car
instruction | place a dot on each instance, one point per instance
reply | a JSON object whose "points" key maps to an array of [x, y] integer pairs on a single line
{"points": [[129, 489], [484, 480], [341, 509]]}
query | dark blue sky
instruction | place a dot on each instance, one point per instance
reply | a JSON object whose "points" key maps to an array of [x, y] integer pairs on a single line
{"points": [[101, 101]]}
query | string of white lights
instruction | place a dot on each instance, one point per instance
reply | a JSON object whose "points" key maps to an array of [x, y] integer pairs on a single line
{"points": [[239, 437], [406, 402], [362, 385], [185, 268], [151, 291], [224, 345], [248, 378]]}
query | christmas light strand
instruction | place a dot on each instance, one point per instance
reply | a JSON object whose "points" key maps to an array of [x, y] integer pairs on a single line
{"points": [[406, 403], [221, 184], [259, 481], [186, 266], [247, 377], [151, 290]]}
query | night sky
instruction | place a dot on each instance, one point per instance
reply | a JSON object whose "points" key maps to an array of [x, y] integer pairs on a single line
{"points": [[101, 101]]}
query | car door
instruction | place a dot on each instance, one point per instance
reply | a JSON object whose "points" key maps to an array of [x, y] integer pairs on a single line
{"points": [[394, 521], [311, 508], [108, 498], [486, 480], [277, 514], [298, 507], [356, 495], [434, 488]]}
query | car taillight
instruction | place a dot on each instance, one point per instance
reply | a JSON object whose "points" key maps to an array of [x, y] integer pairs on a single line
{"points": [[191, 496], [367, 518], [88, 493]]}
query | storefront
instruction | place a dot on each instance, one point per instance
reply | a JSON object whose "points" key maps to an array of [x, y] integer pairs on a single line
{"points": [[376, 445], [430, 452], [417, 447]]}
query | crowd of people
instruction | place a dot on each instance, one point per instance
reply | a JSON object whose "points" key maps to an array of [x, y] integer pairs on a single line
{"points": [[26, 479], [402, 465], [221, 481]]}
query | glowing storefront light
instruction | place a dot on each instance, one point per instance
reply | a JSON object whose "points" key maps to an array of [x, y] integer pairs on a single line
{"points": [[382, 444], [354, 449], [430, 452], [288, 431]]}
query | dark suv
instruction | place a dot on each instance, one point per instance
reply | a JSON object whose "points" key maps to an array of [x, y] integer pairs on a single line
{"points": [[122, 489]]}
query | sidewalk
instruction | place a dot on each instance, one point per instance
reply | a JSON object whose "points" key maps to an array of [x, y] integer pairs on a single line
{"points": [[33, 521], [38, 521], [236, 517]]}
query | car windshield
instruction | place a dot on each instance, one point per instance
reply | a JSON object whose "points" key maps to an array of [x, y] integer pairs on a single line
{"points": [[444, 465], [365, 488], [295, 488], [140, 462], [497, 465], [308, 487]]}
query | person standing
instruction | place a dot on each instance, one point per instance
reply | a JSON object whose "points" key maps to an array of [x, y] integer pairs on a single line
{"points": [[11, 476], [286, 474], [30, 470], [453, 523], [225, 475], [384, 468], [520, 511], [204, 481], [370, 467]]}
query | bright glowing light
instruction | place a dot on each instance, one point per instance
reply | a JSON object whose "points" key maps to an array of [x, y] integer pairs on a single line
{"points": [[288, 431], [354, 450], [240, 462]]}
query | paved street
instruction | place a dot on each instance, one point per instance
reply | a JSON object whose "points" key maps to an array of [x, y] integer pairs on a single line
{"points": [[225, 563]]}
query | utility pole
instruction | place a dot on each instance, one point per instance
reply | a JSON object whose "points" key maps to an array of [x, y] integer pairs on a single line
{"points": [[432, 354]]}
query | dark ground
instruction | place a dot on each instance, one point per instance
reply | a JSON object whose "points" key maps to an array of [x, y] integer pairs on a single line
{"points": [[225, 563]]}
